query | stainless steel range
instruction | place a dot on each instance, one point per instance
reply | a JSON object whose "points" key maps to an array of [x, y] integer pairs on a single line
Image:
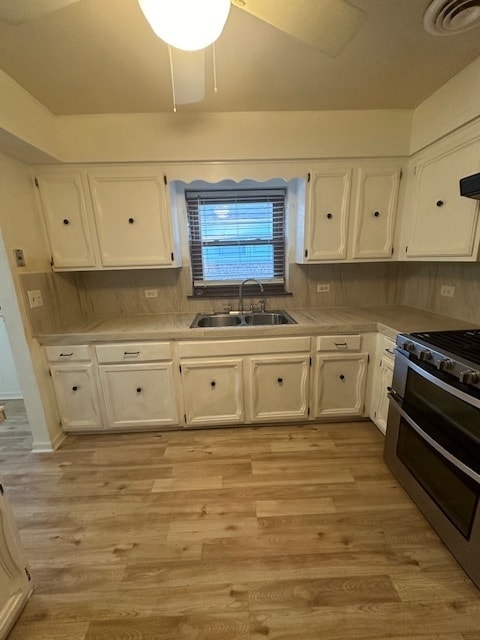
{"points": [[432, 443]]}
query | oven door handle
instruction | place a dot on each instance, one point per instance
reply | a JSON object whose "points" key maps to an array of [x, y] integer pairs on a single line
{"points": [[441, 450]]}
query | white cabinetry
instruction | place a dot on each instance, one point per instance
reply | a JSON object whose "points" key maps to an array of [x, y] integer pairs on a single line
{"points": [[131, 216], [440, 224], [213, 391], [338, 227], [15, 583], [76, 387], [138, 384], [383, 380], [108, 218], [246, 381], [67, 215], [339, 377]]}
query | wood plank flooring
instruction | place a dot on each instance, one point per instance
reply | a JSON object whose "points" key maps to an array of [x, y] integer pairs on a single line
{"points": [[286, 533]]}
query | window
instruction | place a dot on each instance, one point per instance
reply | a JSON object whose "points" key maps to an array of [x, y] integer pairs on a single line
{"points": [[235, 235]]}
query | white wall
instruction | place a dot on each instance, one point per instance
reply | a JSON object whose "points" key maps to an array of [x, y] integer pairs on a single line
{"points": [[453, 105], [20, 228]]}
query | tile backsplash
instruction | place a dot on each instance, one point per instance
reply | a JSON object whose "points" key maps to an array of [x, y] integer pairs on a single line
{"points": [[99, 294]]}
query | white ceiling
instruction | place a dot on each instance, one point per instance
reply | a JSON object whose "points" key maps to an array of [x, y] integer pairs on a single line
{"points": [[100, 56]]}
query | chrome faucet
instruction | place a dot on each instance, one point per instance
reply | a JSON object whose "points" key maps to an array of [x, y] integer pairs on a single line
{"points": [[240, 292]]}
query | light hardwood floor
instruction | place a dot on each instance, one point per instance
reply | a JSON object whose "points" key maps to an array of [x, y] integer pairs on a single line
{"points": [[291, 533]]}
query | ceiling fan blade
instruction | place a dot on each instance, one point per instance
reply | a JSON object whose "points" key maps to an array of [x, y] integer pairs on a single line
{"points": [[327, 25], [188, 75], [19, 11]]}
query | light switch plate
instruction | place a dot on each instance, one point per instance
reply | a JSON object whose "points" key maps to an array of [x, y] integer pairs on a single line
{"points": [[151, 293], [323, 288]]}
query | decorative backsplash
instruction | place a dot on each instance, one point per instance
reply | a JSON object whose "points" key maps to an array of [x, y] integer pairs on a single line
{"points": [[70, 296]]}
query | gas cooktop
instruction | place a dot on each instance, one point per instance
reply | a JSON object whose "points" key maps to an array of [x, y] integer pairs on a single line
{"points": [[463, 343]]}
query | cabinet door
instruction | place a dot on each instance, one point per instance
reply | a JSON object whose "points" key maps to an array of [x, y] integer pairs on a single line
{"points": [[139, 395], [15, 584], [381, 400], [327, 213], [213, 391], [132, 220], [375, 212], [278, 388], [67, 220], [77, 399], [339, 384], [444, 223]]}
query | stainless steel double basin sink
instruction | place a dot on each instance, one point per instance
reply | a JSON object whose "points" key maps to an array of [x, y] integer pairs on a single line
{"points": [[256, 318]]}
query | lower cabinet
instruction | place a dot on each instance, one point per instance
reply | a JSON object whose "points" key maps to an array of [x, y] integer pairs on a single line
{"points": [[339, 377], [148, 385], [213, 391], [382, 380], [15, 582], [278, 388], [74, 378], [138, 384], [249, 381]]}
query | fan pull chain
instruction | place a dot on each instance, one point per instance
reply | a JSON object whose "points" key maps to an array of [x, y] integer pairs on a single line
{"points": [[214, 58], [171, 78]]}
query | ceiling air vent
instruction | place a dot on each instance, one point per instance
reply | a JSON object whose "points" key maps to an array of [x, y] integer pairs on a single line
{"points": [[449, 17]]}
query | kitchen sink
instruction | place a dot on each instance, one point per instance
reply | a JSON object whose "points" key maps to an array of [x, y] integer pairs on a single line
{"points": [[203, 320], [269, 317]]}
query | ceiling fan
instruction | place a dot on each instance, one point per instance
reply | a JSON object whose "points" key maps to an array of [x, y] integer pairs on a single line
{"points": [[326, 25]]}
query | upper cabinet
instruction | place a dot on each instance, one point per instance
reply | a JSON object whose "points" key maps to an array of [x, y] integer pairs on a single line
{"points": [[65, 206], [108, 218], [439, 223], [350, 213]]}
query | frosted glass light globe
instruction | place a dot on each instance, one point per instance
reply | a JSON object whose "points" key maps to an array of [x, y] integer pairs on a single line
{"points": [[186, 24]]}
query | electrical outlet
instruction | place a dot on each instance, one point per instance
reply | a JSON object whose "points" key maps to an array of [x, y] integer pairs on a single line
{"points": [[323, 288], [19, 257], [35, 298], [447, 291], [151, 293]]}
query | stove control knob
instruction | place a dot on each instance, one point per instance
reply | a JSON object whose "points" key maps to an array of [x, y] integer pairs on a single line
{"points": [[469, 377], [444, 364], [425, 355], [408, 346]]}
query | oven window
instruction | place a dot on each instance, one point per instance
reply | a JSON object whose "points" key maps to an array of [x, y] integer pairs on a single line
{"points": [[453, 491], [451, 422]]}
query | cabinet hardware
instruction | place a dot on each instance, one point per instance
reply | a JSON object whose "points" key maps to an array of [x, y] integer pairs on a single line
{"points": [[309, 176], [342, 377], [212, 384], [306, 253], [74, 388], [27, 573], [132, 354], [172, 256], [139, 389], [165, 182], [1, 490], [36, 181], [66, 221], [440, 203], [66, 355], [376, 214], [280, 380], [329, 216], [131, 220]]}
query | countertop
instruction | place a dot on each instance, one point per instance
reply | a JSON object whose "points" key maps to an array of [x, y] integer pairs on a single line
{"points": [[389, 320]]}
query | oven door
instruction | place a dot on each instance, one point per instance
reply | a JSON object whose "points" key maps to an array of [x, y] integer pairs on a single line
{"points": [[432, 446]]}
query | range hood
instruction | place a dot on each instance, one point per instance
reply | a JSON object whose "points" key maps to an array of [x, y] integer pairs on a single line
{"points": [[470, 186]]}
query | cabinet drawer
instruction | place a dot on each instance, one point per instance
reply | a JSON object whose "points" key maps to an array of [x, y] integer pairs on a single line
{"points": [[205, 349], [133, 352], [387, 347], [68, 353], [338, 343]]}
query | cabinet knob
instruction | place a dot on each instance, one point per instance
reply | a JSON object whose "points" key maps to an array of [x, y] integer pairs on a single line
{"points": [[75, 387], [280, 380], [131, 220], [342, 377], [376, 213], [440, 203], [66, 221], [329, 216], [213, 384], [139, 389]]}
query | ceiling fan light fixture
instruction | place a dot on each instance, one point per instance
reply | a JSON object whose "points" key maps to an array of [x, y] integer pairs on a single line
{"points": [[189, 25]]}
